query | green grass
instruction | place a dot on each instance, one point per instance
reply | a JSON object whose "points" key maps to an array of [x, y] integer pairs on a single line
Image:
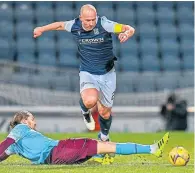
{"points": [[123, 164]]}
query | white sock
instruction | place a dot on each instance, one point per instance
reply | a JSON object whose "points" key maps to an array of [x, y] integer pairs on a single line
{"points": [[104, 137], [153, 148]]}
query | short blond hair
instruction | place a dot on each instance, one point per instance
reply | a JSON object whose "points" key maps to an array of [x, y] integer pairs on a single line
{"points": [[89, 6]]}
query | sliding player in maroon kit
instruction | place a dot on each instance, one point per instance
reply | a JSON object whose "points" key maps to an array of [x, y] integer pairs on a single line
{"points": [[28, 143]]}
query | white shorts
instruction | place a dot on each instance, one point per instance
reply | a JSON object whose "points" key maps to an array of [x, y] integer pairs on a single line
{"points": [[105, 84]]}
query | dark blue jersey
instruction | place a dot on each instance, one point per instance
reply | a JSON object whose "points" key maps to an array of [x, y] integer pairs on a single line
{"points": [[94, 47]]}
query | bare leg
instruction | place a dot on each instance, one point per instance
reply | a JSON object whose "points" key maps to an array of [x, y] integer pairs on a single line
{"points": [[88, 100], [104, 111], [106, 147], [122, 148], [89, 97], [105, 120], [132, 148]]}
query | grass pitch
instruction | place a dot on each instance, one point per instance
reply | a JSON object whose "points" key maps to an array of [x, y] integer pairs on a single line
{"points": [[124, 164]]}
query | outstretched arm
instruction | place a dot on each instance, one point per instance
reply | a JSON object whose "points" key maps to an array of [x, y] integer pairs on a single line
{"points": [[50, 27], [3, 146]]}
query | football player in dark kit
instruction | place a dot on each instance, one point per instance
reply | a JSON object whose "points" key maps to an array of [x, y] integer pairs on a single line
{"points": [[97, 73], [25, 141]]}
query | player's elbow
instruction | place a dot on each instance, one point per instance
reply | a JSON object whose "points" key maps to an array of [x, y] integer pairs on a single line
{"points": [[60, 26], [3, 157]]}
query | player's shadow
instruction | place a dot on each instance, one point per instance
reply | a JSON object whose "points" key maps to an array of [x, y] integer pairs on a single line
{"points": [[52, 167], [85, 165], [71, 166]]}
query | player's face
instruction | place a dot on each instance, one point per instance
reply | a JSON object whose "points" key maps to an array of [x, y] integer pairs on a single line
{"points": [[31, 122], [88, 19]]}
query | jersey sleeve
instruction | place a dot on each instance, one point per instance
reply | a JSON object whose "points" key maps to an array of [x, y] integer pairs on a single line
{"points": [[68, 25], [10, 150], [18, 132], [111, 26]]}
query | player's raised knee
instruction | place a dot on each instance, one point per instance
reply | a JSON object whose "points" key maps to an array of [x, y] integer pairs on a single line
{"points": [[90, 101], [104, 114]]}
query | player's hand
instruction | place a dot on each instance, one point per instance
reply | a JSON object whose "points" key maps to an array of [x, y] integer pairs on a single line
{"points": [[37, 32], [123, 37]]}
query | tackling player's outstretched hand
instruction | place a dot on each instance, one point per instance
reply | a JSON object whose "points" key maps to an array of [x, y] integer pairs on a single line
{"points": [[37, 32], [123, 37]]}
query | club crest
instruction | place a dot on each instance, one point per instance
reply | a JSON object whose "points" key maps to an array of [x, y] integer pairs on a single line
{"points": [[96, 31]]}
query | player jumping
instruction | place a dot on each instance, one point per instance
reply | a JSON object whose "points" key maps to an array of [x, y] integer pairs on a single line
{"points": [[97, 73]]}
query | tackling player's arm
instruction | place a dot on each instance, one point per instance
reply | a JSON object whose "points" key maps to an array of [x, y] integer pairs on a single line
{"points": [[124, 31], [38, 31], [3, 146]]}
